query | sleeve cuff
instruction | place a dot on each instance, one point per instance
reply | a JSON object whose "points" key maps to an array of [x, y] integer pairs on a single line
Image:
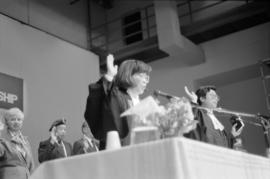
{"points": [[109, 77]]}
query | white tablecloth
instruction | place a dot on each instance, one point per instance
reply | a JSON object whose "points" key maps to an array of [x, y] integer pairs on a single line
{"points": [[175, 158]]}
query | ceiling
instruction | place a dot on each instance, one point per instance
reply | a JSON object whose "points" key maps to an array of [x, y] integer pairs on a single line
{"points": [[233, 20]]}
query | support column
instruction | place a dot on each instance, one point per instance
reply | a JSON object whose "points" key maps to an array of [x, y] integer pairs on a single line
{"points": [[170, 38]]}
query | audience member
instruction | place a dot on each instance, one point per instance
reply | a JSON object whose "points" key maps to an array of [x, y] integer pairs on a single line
{"points": [[55, 147], [87, 143], [16, 159]]}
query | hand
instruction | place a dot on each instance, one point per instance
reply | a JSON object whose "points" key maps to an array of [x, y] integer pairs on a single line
{"points": [[53, 135], [85, 144], [192, 96], [236, 132], [111, 68]]}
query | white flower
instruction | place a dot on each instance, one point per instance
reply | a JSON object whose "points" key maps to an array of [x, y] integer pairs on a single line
{"points": [[176, 120]]}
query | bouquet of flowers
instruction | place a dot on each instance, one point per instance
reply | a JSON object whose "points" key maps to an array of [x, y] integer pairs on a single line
{"points": [[173, 119], [176, 120]]}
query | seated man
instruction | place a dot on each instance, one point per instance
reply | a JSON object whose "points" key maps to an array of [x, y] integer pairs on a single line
{"points": [[55, 147], [87, 143], [209, 128]]}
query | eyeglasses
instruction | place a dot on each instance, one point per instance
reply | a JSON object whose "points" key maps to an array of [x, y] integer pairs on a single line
{"points": [[214, 96], [143, 75]]}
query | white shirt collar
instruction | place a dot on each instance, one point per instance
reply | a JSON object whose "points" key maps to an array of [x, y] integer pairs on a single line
{"points": [[134, 98], [90, 141], [217, 125]]}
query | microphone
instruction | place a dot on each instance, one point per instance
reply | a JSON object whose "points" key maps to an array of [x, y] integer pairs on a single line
{"points": [[163, 94], [263, 116]]}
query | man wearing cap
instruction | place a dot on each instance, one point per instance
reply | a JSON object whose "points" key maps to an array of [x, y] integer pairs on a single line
{"points": [[87, 143], [55, 147]]}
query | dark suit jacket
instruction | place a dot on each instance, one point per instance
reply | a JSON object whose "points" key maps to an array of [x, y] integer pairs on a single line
{"points": [[13, 164], [205, 131], [78, 147], [49, 151], [104, 105]]}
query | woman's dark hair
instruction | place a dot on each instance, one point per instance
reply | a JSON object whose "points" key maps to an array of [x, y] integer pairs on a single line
{"points": [[128, 68], [202, 91]]}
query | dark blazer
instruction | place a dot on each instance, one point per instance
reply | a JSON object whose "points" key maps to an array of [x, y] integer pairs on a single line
{"points": [[13, 164], [205, 131], [78, 147], [49, 151], [104, 105]]}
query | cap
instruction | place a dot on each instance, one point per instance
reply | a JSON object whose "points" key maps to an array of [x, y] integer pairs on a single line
{"points": [[58, 122]]}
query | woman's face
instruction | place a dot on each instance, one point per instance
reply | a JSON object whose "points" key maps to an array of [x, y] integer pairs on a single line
{"points": [[14, 123], [140, 82]]}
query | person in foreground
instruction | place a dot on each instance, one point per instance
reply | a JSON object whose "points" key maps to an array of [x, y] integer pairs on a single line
{"points": [[87, 143], [114, 93], [55, 147], [16, 159], [209, 128]]}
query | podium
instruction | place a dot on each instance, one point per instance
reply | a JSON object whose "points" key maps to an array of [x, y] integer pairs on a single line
{"points": [[174, 158]]}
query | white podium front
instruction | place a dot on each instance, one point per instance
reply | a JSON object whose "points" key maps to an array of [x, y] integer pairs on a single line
{"points": [[175, 158]]}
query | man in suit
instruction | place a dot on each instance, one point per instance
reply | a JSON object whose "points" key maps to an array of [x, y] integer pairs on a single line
{"points": [[87, 143], [16, 159], [55, 147], [209, 129]]}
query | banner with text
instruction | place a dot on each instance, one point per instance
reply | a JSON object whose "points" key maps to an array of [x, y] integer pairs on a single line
{"points": [[11, 91]]}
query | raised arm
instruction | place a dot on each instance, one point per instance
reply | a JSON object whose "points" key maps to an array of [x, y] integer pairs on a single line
{"points": [[191, 95], [1, 145], [98, 93], [111, 68]]}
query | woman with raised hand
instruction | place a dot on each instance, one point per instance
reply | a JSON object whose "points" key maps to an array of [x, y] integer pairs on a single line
{"points": [[16, 160], [114, 93]]}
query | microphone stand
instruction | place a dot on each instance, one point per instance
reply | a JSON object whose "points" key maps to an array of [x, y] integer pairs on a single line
{"points": [[266, 126], [264, 120]]}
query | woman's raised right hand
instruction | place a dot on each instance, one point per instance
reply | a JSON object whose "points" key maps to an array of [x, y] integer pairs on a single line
{"points": [[111, 68]]}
